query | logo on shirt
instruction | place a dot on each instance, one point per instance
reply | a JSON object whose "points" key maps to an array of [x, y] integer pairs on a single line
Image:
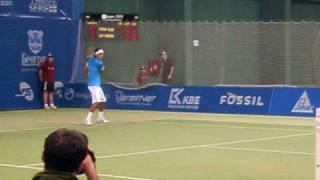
{"points": [[43, 6], [25, 91], [303, 105], [180, 101]]}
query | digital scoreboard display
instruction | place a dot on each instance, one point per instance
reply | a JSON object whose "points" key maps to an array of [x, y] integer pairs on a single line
{"points": [[105, 26]]}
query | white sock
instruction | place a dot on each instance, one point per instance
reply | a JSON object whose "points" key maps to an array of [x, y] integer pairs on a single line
{"points": [[101, 114], [51, 104], [45, 105], [89, 116]]}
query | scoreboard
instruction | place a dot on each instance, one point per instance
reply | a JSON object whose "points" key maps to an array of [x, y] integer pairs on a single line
{"points": [[111, 26]]}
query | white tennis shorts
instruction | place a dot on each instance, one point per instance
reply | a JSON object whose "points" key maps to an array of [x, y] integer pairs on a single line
{"points": [[97, 94]]}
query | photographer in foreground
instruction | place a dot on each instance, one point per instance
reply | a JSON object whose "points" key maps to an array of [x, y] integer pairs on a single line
{"points": [[66, 154]]}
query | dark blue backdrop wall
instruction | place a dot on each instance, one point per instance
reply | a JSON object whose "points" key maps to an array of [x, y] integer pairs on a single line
{"points": [[29, 30]]}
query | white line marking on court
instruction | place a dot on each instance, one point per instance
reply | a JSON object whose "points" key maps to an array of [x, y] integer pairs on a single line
{"points": [[28, 129], [191, 147], [101, 175], [201, 146], [261, 150], [23, 167], [35, 164], [123, 177], [236, 127]]}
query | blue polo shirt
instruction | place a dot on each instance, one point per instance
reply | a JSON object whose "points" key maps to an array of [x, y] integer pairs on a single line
{"points": [[95, 66]]}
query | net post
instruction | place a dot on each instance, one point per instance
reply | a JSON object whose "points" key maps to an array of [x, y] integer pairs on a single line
{"points": [[317, 143]]}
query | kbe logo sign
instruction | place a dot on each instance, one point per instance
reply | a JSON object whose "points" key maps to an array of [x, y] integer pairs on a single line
{"points": [[179, 100]]}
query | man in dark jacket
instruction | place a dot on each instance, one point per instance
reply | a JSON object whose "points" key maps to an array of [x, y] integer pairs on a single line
{"points": [[65, 155]]}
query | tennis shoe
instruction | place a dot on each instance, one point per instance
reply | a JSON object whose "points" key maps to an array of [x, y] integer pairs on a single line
{"points": [[46, 107], [53, 106], [102, 120], [88, 122]]}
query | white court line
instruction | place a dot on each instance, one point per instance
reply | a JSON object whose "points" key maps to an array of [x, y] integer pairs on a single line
{"points": [[123, 177], [236, 127], [201, 146], [261, 150], [22, 167], [101, 175], [190, 147], [29, 129]]}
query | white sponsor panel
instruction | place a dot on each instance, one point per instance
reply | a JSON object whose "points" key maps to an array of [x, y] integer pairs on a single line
{"points": [[25, 91], [303, 105], [43, 6], [233, 99], [179, 101], [136, 99]]}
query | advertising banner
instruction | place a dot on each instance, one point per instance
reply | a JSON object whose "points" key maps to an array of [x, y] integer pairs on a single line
{"points": [[59, 9], [290, 101], [25, 44], [149, 98], [241, 100], [189, 99], [19, 95], [76, 96]]}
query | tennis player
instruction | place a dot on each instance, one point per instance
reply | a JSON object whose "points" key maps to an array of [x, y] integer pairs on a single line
{"points": [[95, 67]]}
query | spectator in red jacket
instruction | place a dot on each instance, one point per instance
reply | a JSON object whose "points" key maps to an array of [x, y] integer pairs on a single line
{"points": [[143, 76]]}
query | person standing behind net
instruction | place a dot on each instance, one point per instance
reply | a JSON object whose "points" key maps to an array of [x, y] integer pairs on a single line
{"points": [[46, 75], [95, 67], [167, 68]]}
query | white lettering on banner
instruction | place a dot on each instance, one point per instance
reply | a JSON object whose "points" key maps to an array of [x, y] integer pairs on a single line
{"points": [[233, 99], [144, 100], [83, 96], [43, 6], [6, 3], [178, 101], [25, 91], [303, 105], [27, 60]]}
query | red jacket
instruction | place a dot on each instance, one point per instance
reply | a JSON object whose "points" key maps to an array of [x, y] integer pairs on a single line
{"points": [[142, 77], [47, 72]]}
